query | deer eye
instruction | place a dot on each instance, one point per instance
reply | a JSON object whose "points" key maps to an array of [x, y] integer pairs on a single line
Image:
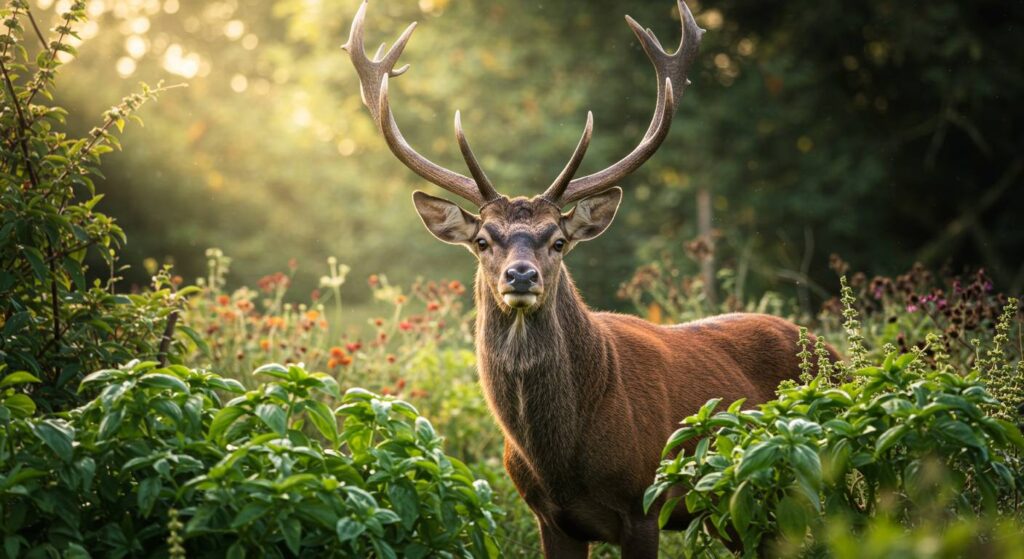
{"points": [[481, 243], [559, 245]]}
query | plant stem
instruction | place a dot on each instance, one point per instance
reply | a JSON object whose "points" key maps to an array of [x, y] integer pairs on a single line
{"points": [[32, 19], [23, 126]]}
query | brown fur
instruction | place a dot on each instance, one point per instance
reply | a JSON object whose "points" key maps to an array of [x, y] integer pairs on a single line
{"points": [[588, 399]]}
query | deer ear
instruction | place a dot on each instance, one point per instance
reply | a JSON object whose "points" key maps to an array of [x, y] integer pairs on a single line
{"points": [[446, 220], [592, 215]]}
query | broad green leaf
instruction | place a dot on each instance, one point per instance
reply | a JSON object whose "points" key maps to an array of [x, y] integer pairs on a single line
{"points": [[18, 377], [761, 455], [291, 527], [666, 510], [224, 418], [20, 405], [741, 507], [348, 529], [792, 518], [57, 435], [160, 380], [273, 416], [248, 514], [149, 490], [890, 437]]}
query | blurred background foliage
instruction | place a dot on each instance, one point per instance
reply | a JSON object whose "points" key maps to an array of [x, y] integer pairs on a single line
{"points": [[884, 130]]}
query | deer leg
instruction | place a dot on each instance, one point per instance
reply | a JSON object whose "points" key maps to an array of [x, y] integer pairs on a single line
{"points": [[640, 539], [556, 544]]}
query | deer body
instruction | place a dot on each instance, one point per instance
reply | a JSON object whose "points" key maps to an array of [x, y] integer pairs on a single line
{"points": [[586, 399]]}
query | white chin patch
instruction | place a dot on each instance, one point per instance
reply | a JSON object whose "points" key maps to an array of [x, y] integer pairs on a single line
{"points": [[519, 300]]}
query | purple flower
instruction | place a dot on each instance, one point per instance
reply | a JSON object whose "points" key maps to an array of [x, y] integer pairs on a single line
{"points": [[911, 308]]}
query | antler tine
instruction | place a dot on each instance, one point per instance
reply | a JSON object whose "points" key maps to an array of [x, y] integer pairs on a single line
{"points": [[671, 71], [449, 180], [557, 188], [486, 188], [373, 86]]}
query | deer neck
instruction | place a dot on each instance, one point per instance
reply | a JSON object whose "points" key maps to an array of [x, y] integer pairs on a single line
{"points": [[543, 373]]}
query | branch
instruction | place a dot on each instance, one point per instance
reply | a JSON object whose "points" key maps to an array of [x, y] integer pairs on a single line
{"points": [[32, 19], [22, 126], [167, 337]]}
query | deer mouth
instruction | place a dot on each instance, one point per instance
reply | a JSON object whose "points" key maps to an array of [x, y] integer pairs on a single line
{"points": [[520, 299]]}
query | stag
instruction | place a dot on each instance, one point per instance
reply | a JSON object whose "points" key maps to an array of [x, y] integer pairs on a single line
{"points": [[586, 399]]}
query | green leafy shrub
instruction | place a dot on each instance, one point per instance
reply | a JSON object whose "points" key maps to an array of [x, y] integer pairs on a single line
{"points": [[894, 441], [269, 472], [54, 322]]}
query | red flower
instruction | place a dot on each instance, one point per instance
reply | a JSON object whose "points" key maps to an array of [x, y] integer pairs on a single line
{"points": [[353, 347], [405, 326]]}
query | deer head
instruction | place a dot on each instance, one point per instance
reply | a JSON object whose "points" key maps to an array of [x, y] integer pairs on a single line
{"points": [[520, 242]]}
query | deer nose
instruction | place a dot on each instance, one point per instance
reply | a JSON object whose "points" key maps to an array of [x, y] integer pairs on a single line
{"points": [[522, 277]]}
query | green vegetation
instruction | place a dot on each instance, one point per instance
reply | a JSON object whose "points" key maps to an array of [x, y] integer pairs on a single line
{"points": [[156, 420], [268, 473]]}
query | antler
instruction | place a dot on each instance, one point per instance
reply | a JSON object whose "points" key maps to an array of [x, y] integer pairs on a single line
{"points": [[373, 85], [671, 70]]}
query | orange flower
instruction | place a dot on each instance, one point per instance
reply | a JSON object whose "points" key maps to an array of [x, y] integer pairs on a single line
{"points": [[405, 326], [400, 300], [265, 344], [322, 324], [223, 300], [177, 280], [244, 305], [456, 286], [332, 363], [382, 336], [312, 315], [433, 306], [378, 322], [390, 358], [337, 352], [386, 391], [345, 360], [374, 280], [400, 384]]}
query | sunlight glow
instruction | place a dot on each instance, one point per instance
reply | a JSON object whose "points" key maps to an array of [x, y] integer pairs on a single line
{"points": [[346, 147], [234, 29], [140, 25], [239, 83], [302, 117], [177, 62], [125, 66], [136, 46]]}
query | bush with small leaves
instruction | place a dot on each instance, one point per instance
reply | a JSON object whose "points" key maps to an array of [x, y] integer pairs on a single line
{"points": [[58, 319]]}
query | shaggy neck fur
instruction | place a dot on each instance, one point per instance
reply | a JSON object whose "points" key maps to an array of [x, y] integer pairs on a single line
{"points": [[544, 373]]}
